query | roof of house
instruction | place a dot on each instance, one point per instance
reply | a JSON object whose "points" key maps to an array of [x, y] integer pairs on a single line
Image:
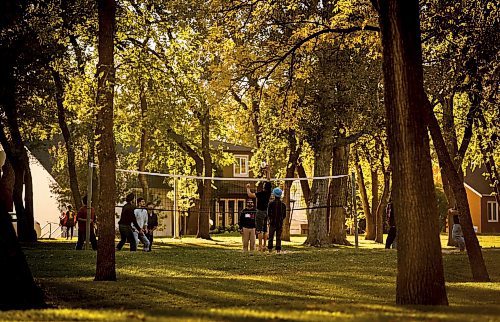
{"points": [[477, 181], [228, 147]]}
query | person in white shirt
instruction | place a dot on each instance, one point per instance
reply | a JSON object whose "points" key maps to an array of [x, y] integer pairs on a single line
{"points": [[141, 216]]}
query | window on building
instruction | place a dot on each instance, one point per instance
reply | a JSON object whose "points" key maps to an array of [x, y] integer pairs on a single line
{"points": [[492, 211], [241, 166]]}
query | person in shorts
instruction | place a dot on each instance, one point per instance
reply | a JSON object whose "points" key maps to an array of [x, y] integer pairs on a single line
{"points": [[261, 217]]}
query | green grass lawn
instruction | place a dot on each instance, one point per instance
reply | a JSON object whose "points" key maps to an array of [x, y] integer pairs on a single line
{"points": [[193, 280]]}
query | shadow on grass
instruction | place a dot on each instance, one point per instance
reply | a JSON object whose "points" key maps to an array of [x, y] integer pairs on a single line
{"points": [[219, 282]]}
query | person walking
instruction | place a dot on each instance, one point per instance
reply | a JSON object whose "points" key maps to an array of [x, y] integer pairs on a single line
{"points": [[81, 218], [152, 223], [70, 222], [141, 216], [247, 226], [391, 220], [127, 219], [457, 234], [261, 218], [277, 213]]}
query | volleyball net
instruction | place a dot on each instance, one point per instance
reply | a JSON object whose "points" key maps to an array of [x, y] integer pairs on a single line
{"points": [[178, 200]]}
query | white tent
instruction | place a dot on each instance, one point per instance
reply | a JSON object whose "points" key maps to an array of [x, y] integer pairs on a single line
{"points": [[45, 206]]}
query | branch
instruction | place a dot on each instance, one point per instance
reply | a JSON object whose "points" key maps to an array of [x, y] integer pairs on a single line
{"points": [[238, 99], [348, 139], [466, 138], [183, 144], [317, 34]]}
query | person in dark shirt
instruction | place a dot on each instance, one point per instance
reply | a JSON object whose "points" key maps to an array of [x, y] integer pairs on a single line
{"points": [[127, 219], [247, 226], [277, 213], [81, 218], [391, 220], [70, 222], [261, 212], [152, 223]]}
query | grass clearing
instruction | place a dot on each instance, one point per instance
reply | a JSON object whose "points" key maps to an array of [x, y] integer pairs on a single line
{"points": [[192, 280]]}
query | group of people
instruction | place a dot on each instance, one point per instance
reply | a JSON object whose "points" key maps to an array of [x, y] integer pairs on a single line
{"points": [[69, 219], [137, 223], [255, 219]]}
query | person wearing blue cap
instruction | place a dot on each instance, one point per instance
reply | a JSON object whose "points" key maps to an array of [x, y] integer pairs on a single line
{"points": [[277, 213]]}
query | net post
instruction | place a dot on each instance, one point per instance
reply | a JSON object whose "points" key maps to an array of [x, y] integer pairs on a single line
{"points": [[89, 206], [176, 214], [354, 213]]}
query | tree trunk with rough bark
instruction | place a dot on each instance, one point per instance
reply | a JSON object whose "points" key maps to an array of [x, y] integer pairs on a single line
{"points": [[317, 220], [105, 266], [19, 288], [380, 212], [476, 261], [340, 165], [141, 165], [16, 153], [420, 276], [70, 150], [450, 137], [375, 200], [304, 184], [205, 203], [293, 156], [488, 153], [370, 227], [7, 185]]}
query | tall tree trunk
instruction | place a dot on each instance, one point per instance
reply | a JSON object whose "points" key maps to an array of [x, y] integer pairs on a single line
{"points": [[318, 230], [70, 151], [16, 276], [205, 203], [450, 137], [340, 165], [304, 184], [141, 165], [476, 261], [375, 199], [420, 277], [105, 266], [370, 228], [7, 180], [487, 152], [380, 212], [293, 156], [15, 149], [20, 162]]}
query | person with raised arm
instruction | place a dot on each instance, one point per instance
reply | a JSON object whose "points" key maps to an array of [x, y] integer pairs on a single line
{"points": [[261, 218]]}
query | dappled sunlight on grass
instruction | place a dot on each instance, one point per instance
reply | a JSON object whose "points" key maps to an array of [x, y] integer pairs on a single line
{"points": [[212, 280]]}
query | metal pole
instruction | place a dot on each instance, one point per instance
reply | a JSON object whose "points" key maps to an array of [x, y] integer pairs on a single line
{"points": [[50, 230], [354, 212], [176, 214], [89, 207]]}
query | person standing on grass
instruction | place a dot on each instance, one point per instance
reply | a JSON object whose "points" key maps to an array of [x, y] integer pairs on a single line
{"points": [[62, 222], [127, 219], [141, 216], [152, 223], [457, 233], [391, 219], [277, 213], [247, 226], [82, 226], [261, 212], [70, 222]]}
